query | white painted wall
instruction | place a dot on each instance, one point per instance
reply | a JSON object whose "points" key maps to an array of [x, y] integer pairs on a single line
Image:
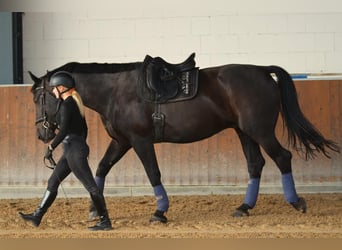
{"points": [[301, 36]]}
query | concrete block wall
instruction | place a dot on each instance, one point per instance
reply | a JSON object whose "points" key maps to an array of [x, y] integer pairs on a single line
{"points": [[301, 36]]}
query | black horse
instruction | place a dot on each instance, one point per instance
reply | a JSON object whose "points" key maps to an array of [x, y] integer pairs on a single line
{"points": [[247, 98]]}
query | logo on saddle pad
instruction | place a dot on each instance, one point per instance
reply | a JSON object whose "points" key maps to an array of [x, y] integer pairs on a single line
{"points": [[163, 82]]}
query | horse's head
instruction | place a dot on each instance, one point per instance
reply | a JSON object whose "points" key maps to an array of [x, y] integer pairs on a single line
{"points": [[46, 108]]}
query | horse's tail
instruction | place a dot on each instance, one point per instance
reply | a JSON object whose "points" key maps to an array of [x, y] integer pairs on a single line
{"points": [[298, 126]]}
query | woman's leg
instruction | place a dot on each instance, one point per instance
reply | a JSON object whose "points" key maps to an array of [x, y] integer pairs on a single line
{"points": [[77, 160], [59, 174]]}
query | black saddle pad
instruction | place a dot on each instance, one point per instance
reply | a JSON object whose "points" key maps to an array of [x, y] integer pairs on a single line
{"points": [[162, 82]]}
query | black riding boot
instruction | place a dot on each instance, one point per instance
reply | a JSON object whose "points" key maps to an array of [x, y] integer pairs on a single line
{"points": [[100, 204], [37, 215]]}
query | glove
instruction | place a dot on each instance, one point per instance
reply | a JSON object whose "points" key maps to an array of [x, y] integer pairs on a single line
{"points": [[48, 153]]}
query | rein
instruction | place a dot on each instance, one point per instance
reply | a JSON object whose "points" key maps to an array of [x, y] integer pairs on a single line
{"points": [[51, 161]]}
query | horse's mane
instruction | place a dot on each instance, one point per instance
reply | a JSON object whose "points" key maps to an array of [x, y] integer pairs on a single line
{"points": [[96, 68], [93, 68]]}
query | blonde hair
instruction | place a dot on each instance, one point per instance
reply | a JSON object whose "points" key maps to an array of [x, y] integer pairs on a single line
{"points": [[79, 101]]}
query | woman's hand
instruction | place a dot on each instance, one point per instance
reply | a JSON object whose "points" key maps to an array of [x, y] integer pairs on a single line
{"points": [[48, 152]]}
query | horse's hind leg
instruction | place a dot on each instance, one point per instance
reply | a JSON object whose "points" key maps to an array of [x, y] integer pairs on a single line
{"points": [[255, 163], [282, 158]]}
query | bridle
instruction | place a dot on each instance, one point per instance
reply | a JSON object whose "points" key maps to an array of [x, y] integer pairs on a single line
{"points": [[46, 124], [43, 119]]}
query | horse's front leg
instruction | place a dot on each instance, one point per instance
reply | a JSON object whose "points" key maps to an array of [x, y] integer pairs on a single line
{"points": [[146, 153], [255, 163], [113, 154]]}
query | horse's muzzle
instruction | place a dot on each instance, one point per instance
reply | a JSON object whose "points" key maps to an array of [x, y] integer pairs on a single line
{"points": [[45, 135]]}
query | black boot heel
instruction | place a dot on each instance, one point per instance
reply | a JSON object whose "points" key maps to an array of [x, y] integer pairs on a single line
{"points": [[35, 218], [103, 225]]}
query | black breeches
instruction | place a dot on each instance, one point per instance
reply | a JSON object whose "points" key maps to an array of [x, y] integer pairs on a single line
{"points": [[74, 159]]}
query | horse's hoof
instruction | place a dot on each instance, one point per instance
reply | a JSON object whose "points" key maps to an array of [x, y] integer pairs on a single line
{"points": [[300, 205], [93, 215], [242, 211], [158, 216]]}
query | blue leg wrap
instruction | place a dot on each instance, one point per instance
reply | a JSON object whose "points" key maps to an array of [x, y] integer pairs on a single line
{"points": [[162, 199], [100, 182], [252, 192], [289, 188]]}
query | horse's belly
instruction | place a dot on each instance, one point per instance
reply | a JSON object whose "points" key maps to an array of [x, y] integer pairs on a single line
{"points": [[192, 127]]}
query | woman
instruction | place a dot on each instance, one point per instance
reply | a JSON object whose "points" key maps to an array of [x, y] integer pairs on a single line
{"points": [[72, 134]]}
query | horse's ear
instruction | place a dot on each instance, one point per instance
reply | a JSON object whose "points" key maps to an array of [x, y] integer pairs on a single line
{"points": [[33, 77]]}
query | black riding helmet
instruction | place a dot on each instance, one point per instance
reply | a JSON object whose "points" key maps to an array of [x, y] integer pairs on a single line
{"points": [[63, 78]]}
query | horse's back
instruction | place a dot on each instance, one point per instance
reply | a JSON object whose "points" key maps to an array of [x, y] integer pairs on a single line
{"points": [[240, 81]]}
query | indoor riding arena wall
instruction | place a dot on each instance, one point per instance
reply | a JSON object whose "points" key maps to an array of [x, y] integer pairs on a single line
{"points": [[300, 36], [211, 166]]}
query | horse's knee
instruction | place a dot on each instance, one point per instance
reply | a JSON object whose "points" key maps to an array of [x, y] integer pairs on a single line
{"points": [[281, 157], [255, 169], [284, 162], [286, 155], [103, 169], [154, 176], [155, 181]]}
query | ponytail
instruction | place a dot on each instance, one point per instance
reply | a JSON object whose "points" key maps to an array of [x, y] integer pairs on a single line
{"points": [[79, 101]]}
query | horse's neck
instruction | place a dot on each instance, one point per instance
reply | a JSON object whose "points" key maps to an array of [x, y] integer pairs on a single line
{"points": [[99, 91], [92, 96]]}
